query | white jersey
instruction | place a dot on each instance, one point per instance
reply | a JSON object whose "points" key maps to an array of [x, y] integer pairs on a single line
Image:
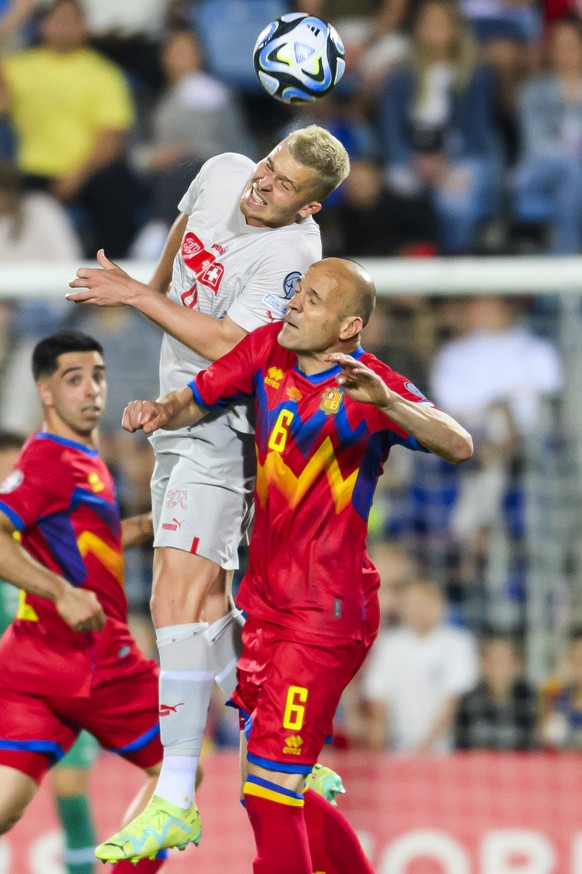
{"points": [[226, 267]]}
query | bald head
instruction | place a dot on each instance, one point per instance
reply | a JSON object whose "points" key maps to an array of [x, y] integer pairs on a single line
{"points": [[333, 300], [356, 285]]}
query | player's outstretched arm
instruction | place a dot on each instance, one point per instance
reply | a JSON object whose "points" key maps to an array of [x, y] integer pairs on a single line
{"points": [[79, 608], [435, 430], [177, 409], [108, 285]]}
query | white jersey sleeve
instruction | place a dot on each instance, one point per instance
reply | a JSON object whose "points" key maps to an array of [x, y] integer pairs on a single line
{"points": [[264, 298]]}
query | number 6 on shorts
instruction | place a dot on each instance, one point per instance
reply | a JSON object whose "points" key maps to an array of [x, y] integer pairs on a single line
{"points": [[294, 709]]}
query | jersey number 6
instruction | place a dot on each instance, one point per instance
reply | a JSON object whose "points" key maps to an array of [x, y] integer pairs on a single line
{"points": [[280, 432]]}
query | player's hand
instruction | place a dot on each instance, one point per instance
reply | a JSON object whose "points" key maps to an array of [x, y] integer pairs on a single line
{"points": [[80, 609], [107, 285], [361, 383], [145, 415]]}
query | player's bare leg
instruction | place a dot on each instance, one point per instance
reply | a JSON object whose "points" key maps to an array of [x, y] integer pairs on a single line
{"points": [[16, 792]]}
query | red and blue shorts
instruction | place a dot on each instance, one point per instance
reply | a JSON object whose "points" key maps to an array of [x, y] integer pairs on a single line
{"points": [[288, 691], [120, 711]]}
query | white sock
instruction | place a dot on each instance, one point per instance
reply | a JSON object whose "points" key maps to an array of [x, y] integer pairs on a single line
{"points": [[177, 780], [186, 682], [224, 638]]}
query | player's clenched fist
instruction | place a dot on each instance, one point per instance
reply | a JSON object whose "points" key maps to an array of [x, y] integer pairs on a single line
{"points": [[80, 609], [147, 415]]}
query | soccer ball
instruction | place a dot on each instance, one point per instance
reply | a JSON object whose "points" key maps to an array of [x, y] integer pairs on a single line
{"points": [[299, 58]]}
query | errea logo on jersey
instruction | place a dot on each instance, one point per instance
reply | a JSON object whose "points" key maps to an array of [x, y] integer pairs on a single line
{"points": [[273, 377], [293, 745], [95, 482]]}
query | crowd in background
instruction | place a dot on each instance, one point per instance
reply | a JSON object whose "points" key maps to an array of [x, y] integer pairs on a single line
{"points": [[463, 121]]}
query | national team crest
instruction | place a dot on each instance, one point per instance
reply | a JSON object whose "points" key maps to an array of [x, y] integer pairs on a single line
{"points": [[331, 401]]}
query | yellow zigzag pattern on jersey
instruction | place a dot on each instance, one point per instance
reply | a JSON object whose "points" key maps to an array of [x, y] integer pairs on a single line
{"points": [[90, 544], [274, 472]]}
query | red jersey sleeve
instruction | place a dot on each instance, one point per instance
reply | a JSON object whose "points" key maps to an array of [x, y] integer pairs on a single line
{"points": [[37, 487], [231, 378], [378, 421]]}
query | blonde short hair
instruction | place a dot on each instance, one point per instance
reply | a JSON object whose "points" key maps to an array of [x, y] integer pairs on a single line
{"points": [[315, 147]]}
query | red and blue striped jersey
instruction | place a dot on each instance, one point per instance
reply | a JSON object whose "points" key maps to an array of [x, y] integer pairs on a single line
{"points": [[319, 456], [61, 499]]}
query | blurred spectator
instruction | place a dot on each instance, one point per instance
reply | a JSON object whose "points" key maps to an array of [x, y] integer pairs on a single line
{"points": [[548, 180], [561, 721], [435, 115], [502, 19], [396, 571], [374, 36], [554, 9], [33, 225], [415, 674], [508, 32], [71, 110], [493, 378], [14, 16], [33, 228], [196, 117], [376, 221], [129, 32], [228, 52], [501, 713], [495, 360]]}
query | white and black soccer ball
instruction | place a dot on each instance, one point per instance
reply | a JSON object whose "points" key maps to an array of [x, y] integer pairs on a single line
{"points": [[299, 58]]}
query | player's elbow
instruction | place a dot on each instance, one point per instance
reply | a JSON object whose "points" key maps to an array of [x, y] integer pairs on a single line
{"points": [[461, 448]]}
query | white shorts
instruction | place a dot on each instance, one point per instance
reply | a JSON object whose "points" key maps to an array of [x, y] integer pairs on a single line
{"points": [[202, 491]]}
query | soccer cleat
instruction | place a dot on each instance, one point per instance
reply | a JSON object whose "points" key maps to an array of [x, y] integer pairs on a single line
{"points": [[161, 826], [325, 782]]}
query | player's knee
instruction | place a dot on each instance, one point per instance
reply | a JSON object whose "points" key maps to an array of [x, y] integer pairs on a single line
{"points": [[291, 782], [9, 816]]}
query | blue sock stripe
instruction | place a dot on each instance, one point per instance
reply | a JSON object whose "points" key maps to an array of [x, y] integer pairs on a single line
{"points": [[273, 787]]}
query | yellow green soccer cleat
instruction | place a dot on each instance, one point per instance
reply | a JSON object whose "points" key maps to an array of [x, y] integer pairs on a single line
{"points": [[161, 826], [325, 782]]}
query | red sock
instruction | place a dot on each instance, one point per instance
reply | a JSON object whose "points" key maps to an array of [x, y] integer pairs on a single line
{"points": [[334, 845], [276, 815], [144, 866]]}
